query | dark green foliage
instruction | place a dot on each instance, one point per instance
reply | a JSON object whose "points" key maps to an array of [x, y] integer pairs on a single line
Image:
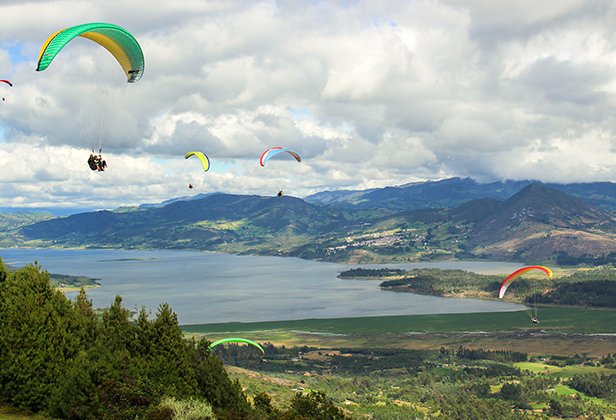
{"points": [[432, 281], [493, 371], [469, 407], [358, 273], [594, 293], [420, 285], [40, 332], [596, 385], [116, 330], [74, 396], [511, 391], [567, 360], [564, 259], [364, 362], [314, 405], [160, 413], [263, 402], [3, 271], [565, 409], [503, 356], [608, 360], [225, 396], [166, 356], [55, 356], [392, 362], [126, 399], [479, 389]]}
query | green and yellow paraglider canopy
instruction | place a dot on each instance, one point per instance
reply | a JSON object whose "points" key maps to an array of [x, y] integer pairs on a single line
{"points": [[118, 41], [236, 340]]}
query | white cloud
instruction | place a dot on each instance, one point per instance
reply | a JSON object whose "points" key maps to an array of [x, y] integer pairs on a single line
{"points": [[369, 93]]}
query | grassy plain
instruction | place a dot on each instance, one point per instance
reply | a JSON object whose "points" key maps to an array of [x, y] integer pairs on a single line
{"points": [[556, 319], [562, 331]]}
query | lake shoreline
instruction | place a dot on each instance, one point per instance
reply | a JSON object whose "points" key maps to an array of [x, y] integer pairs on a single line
{"points": [[213, 287]]}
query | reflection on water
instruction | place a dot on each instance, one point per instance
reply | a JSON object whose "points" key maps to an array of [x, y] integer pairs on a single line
{"points": [[210, 288]]}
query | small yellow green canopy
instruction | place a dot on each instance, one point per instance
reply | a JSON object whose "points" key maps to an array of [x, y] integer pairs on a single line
{"points": [[205, 161]]}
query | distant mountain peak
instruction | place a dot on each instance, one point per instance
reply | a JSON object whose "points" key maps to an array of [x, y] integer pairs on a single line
{"points": [[541, 221], [452, 192], [548, 205]]}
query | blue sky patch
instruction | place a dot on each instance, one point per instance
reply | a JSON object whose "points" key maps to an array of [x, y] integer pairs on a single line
{"points": [[15, 51], [301, 114]]}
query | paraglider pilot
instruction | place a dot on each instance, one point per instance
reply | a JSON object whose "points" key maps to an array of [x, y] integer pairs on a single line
{"points": [[101, 163], [280, 193], [93, 162], [96, 163], [535, 320]]}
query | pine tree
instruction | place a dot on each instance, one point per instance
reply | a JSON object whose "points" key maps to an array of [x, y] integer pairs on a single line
{"points": [[3, 271], [38, 334], [166, 356], [225, 395]]}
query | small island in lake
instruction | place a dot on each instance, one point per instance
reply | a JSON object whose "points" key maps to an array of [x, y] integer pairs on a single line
{"points": [[587, 287], [67, 283], [431, 281]]}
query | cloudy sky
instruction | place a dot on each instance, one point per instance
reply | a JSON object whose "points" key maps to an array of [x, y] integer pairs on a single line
{"points": [[369, 93]]}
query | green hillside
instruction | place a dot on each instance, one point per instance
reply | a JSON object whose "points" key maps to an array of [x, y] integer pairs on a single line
{"points": [[535, 225]]}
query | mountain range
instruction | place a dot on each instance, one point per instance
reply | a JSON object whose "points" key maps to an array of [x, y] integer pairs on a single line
{"points": [[535, 224], [452, 192]]}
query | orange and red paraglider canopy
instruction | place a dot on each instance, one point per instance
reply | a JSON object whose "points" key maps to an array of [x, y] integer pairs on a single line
{"points": [[517, 274]]}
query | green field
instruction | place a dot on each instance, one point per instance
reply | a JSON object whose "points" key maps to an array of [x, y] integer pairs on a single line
{"points": [[555, 320], [562, 331], [563, 372]]}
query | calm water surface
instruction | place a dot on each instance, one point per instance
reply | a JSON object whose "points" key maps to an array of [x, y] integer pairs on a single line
{"points": [[210, 288]]}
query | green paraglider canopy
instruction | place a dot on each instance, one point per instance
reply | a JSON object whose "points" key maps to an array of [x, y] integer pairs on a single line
{"points": [[91, 75], [236, 340], [118, 41]]}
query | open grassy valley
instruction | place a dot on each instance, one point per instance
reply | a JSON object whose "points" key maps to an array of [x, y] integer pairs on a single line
{"points": [[399, 367]]}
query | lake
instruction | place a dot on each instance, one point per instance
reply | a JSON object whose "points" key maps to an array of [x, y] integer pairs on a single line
{"points": [[206, 288]]}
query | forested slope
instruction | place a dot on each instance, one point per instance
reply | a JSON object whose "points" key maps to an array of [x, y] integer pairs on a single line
{"points": [[58, 357]]}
